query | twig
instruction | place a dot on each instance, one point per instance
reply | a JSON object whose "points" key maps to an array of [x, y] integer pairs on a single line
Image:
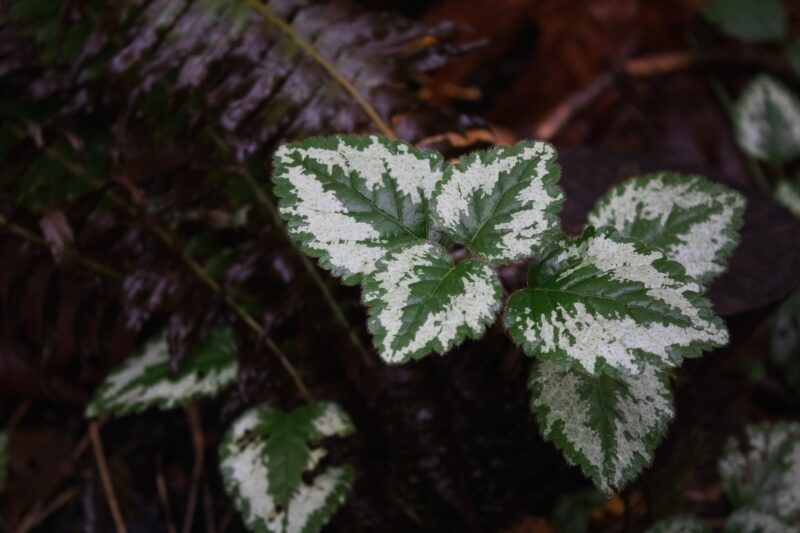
{"points": [[332, 71], [208, 508], [32, 521], [163, 495], [105, 477], [227, 518], [198, 441]]}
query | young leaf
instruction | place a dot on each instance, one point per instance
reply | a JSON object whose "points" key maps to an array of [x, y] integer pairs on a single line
{"points": [[502, 203], [264, 457], [348, 199], [609, 427], [787, 193], [146, 379], [420, 301], [3, 460], [768, 121], [754, 521], [749, 20], [680, 524], [694, 221], [786, 341], [604, 303], [766, 476]]}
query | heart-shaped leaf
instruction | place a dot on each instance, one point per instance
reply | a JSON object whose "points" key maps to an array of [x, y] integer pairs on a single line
{"points": [[502, 204], [694, 221], [419, 301], [146, 379], [768, 121], [265, 456], [609, 427], [349, 199], [604, 303]]}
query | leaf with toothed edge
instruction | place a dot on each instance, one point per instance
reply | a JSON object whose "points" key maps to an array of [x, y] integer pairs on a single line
{"points": [[694, 221], [603, 303], [607, 426], [146, 379], [501, 203], [680, 524], [348, 199], [265, 456], [420, 301], [767, 118]]}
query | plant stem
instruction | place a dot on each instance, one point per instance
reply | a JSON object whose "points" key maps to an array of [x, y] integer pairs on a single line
{"points": [[326, 65]]}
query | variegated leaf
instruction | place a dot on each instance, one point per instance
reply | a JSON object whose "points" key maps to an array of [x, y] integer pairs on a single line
{"points": [[146, 379], [768, 121], [765, 476], [604, 303], [696, 222], [420, 301], [787, 193], [502, 203], [754, 521], [680, 524], [264, 458], [348, 199], [607, 426], [3, 459]]}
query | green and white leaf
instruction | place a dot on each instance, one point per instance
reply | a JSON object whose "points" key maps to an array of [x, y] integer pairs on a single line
{"points": [[696, 222], [749, 20], [3, 459], [264, 457], [680, 524], [766, 475], [604, 303], [420, 301], [348, 199], [609, 427], [502, 203], [786, 341], [767, 120], [754, 521], [787, 193], [146, 379]]}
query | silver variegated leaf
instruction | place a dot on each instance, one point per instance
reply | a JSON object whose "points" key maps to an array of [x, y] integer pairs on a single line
{"points": [[787, 193], [768, 121], [348, 199], [146, 379], [502, 203], [607, 426], [420, 301], [3, 459], [264, 458], [696, 222], [604, 303], [765, 476], [680, 524], [754, 521]]}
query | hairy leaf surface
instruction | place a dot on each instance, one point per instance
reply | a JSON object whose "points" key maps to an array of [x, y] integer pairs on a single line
{"points": [[264, 457], [502, 203], [768, 121], [146, 379], [749, 20], [349, 199], [604, 303], [420, 301], [765, 476], [694, 221], [609, 427], [680, 524]]}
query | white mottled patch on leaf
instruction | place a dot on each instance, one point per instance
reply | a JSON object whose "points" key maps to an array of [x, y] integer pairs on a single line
{"points": [[680, 524], [146, 379], [609, 427], [247, 459], [694, 221], [766, 475], [788, 195], [753, 521], [605, 303], [768, 121], [502, 203], [347, 199], [420, 301]]}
